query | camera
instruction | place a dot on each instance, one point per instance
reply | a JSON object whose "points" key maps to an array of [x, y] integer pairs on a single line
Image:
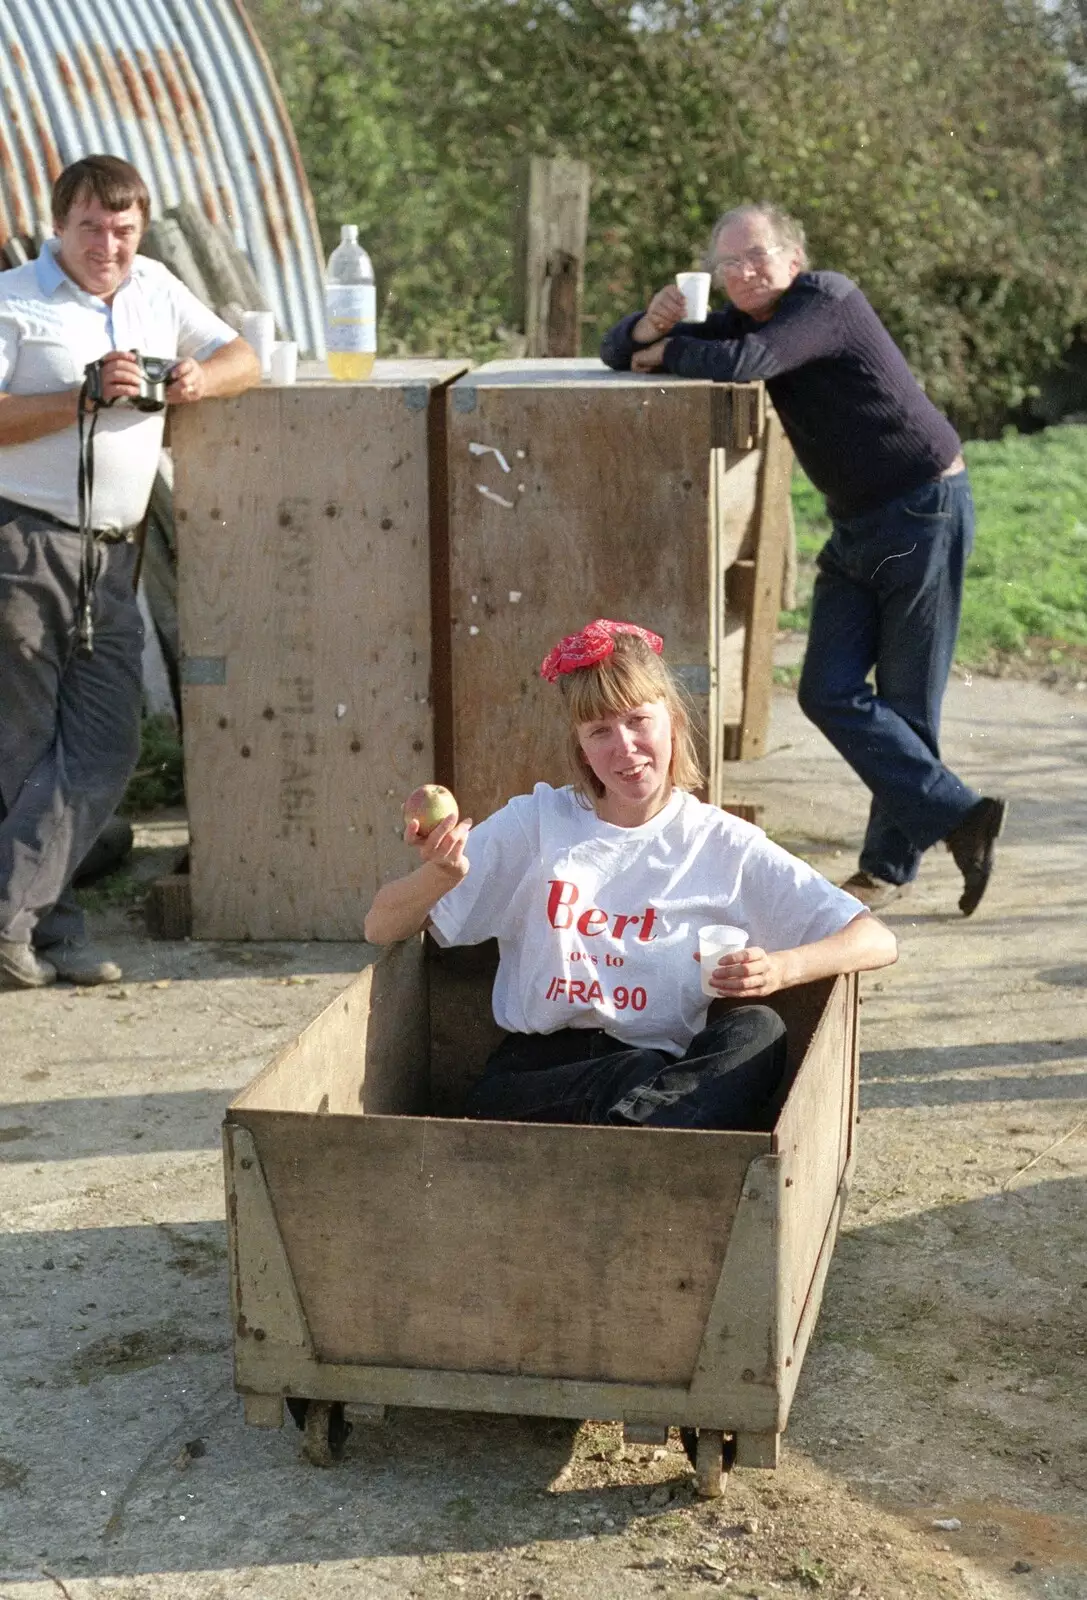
{"points": [[155, 374]]}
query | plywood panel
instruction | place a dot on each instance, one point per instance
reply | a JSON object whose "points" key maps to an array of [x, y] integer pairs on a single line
{"points": [[739, 588], [739, 502], [571, 1252], [802, 1010], [367, 1050], [604, 512], [812, 1136], [773, 532], [463, 1031], [303, 521]]}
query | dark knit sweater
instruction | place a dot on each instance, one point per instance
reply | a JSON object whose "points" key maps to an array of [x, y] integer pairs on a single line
{"points": [[862, 427]]}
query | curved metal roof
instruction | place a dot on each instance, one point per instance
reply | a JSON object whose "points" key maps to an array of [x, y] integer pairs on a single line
{"points": [[183, 90]]}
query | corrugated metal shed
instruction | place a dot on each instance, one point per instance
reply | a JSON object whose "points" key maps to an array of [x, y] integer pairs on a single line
{"points": [[183, 90]]}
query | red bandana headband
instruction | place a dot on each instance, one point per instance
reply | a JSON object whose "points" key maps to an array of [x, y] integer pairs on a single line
{"points": [[594, 643]]}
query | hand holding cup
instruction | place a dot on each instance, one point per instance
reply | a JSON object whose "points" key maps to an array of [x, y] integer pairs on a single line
{"points": [[695, 289], [666, 308], [715, 941]]}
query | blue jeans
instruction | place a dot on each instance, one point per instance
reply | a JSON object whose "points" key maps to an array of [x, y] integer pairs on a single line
{"points": [[888, 593], [726, 1079]]}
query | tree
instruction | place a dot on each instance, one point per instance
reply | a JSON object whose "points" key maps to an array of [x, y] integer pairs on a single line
{"points": [[951, 182]]}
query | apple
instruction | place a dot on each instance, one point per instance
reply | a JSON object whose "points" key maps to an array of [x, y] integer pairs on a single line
{"points": [[428, 805]]}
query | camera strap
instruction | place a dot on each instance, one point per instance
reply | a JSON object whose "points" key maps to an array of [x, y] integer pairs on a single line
{"points": [[90, 557]]}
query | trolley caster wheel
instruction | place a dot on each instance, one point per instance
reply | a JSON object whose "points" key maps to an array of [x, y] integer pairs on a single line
{"points": [[324, 1429], [711, 1454]]}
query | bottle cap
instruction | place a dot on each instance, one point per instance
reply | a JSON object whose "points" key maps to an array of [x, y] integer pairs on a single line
{"points": [[349, 231]]}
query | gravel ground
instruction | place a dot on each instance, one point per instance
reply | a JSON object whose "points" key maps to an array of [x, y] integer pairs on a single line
{"points": [[946, 1381]]}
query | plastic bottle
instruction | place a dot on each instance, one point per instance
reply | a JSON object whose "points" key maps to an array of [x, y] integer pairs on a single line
{"points": [[350, 309]]}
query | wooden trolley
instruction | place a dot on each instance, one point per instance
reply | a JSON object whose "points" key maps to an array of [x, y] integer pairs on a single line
{"points": [[382, 1254]]}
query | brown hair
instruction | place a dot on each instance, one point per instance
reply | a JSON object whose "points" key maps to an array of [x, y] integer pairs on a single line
{"points": [[632, 675], [114, 183]]}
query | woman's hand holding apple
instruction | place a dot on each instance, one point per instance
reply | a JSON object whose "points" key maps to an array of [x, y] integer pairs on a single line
{"points": [[433, 827], [443, 846]]}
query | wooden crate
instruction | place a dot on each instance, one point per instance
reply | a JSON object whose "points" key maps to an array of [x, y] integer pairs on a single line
{"points": [[379, 1255], [651, 499], [305, 518]]}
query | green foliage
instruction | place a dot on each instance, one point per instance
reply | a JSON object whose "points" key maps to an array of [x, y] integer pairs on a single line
{"points": [[159, 778], [1027, 578], [119, 890], [812, 532], [810, 1570], [1026, 583], [934, 149]]}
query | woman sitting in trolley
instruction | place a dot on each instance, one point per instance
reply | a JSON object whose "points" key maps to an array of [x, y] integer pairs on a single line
{"points": [[596, 893]]}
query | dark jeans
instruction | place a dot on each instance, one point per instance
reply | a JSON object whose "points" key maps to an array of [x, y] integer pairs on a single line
{"points": [[887, 596], [69, 725], [726, 1079]]}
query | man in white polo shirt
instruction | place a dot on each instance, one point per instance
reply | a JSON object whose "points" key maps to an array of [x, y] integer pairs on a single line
{"points": [[70, 701]]}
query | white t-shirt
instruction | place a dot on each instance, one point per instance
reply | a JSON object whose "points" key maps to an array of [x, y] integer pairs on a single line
{"points": [[49, 330], [597, 925]]}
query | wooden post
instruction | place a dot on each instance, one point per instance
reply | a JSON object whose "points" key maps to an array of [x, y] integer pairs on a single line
{"points": [[226, 271], [549, 257], [164, 241], [15, 252], [754, 587]]}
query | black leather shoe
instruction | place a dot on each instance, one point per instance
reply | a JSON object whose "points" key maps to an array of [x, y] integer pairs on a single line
{"points": [[972, 843]]}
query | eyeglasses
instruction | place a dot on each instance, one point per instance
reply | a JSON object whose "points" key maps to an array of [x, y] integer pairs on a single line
{"points": [[755, 258]]}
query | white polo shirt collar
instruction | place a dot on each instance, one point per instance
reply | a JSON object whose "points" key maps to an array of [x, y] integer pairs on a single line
{"points": [[52, 278], [49, 330]]}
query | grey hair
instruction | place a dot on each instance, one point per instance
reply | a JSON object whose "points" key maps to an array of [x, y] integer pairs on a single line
{"points": [[785, 228]]}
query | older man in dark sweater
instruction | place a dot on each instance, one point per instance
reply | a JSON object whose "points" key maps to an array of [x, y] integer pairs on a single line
{"points": [[889, 584]]}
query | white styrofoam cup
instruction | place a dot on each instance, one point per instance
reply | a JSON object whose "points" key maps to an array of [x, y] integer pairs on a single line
{"points": [[284, 364], [695, 287], [259, 330], [716, 941]]}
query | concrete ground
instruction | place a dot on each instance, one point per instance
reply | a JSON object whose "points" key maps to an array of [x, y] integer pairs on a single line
{"points": [[947, 1382]]}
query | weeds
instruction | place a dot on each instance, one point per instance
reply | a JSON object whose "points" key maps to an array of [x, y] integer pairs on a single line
{"points": [[809, 1570], [159, 778], [120, 888]]}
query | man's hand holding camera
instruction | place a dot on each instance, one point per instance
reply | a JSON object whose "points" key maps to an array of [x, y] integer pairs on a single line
{"points": [[126, 377], [188, 383], [120, 376]]}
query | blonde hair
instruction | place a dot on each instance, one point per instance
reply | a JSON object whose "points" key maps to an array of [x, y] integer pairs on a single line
{"points": [[632, 675]]}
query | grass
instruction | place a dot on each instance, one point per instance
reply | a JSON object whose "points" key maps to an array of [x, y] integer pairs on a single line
{"points": [[121, 888], [159, 777], [1026, 584], [810, 1570]]}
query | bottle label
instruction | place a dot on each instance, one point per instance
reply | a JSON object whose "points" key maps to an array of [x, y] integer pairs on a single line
{"points": [[351, 318]]}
